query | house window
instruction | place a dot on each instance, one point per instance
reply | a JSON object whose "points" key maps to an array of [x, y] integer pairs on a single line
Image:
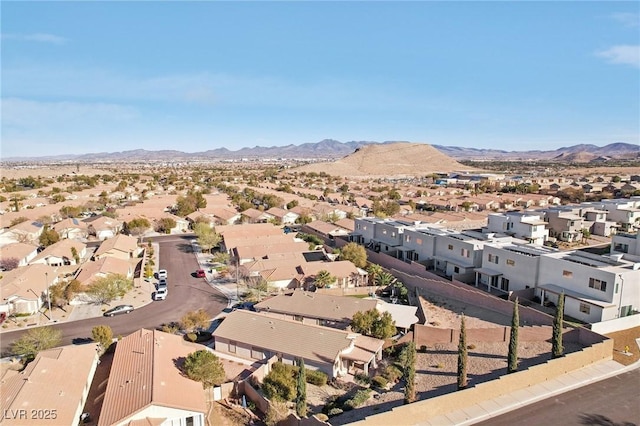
{"points": [[504, 284], [256, 353], [415, 257], [189, 421], [419, 241], [232, 346], [384, 232], [567, 274], [407, 238], [456, 269], [598, 284], [511, 262], [450, 247], [297, 318], [493, 258], [584, 308], [464, 252]]}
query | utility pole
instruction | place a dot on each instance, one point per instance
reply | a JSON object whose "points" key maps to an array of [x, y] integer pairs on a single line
{"points": [[46, 281]]}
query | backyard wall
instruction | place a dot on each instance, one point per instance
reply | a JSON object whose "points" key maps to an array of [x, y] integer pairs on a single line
{"points": [[471, 295], [422, 411], [426, 335], [617, 324]]}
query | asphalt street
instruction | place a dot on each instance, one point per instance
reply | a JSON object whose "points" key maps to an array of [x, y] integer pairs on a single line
{"points": [[611, 402], [186, 293]]}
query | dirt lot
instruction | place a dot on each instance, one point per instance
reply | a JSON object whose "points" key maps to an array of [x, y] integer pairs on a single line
{"points": [[623, 339]]}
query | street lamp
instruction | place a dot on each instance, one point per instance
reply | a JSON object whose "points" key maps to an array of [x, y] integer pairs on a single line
{"points": [[39, 300]]}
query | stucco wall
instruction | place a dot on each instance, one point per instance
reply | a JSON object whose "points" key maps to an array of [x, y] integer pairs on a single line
{"points": [[422, 411]]}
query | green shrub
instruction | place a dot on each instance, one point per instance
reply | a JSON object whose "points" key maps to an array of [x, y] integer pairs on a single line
{"points": [[362, 379], [392, 373], [471, 346], [335, 411], [322, 417], [357, 400], [379, 382], [315, 377], [423, 349], [280, 384], [192, 337]]}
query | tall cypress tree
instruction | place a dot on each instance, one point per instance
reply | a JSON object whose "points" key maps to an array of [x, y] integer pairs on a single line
{"points": [[410, 372], [557, 350], [462, 356], [513, 340], [301, 396]]}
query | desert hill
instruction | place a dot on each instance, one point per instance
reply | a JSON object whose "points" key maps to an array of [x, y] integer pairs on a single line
{"points": [[391, 159]]}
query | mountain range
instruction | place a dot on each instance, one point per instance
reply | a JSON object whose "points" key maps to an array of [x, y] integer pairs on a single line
{"points": [[333, 149]]}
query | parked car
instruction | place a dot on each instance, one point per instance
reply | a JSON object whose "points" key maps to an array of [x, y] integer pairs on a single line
{"points": [[200, 273], [161, 294], [120, 309], [162, 274], [162, 284]]}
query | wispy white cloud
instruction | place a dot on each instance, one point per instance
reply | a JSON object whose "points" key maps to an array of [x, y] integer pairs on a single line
{"points": [[36, 37], [628, 19], [622, 54], [25, 113]]}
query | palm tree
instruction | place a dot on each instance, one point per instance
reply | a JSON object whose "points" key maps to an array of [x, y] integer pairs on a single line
{"points": [[385, 279], [324, 278], [374, 271]]}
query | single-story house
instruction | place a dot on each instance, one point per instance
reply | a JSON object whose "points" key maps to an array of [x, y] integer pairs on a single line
{"points": [[24, 289], [146, 385], [52, 389], [256, 336], [62, 253], [103, 267], [121, 246], [23, 252]]}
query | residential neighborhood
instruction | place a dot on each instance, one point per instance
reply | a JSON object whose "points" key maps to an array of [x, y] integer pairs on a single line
{"points": [[297, 276]]}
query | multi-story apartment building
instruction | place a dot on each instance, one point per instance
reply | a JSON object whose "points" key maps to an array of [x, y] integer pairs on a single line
{"points": [[626, 212], [527, 226], [564, 223], [628, 244], [597, 288], [510, 267]]}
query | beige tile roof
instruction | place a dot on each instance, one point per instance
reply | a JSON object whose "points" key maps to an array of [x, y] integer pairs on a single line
{"points": [[326, 228], [69, 223], [315, 305], [248, 230], [121, 242], [339, 269], [20, 281], [257, 251], [54, 380], [17, 250], [231, 242], [29, 227], [104, 222], [253, 213], [61, 249], [144, 373], [313, 343], [107, 265], [348, 224]]}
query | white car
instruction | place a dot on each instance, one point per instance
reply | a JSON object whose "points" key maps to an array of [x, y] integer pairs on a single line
{"points": [[160, 294], [162, 274]]}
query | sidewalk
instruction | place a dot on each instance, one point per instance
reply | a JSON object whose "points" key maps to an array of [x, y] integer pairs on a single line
{"points": [[505, 403], [227, 287]]}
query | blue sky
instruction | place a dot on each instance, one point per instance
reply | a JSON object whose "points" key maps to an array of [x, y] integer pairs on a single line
{"points": [[82, 77]]}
